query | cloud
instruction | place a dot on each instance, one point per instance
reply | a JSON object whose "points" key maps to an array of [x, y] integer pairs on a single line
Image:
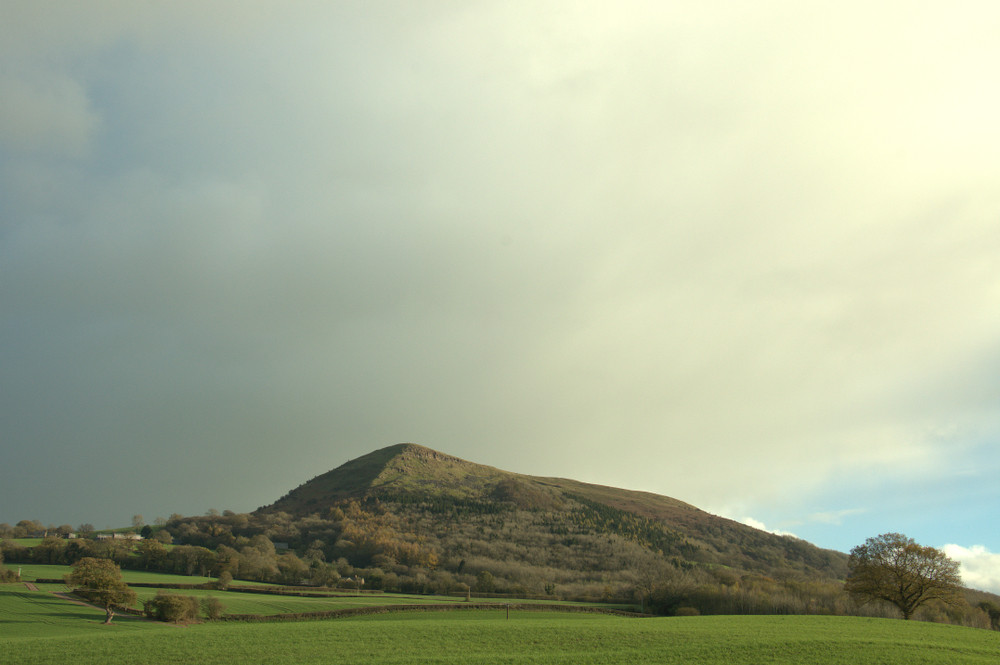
{"points": [[731, 256], [45, 114], [757, 524], [980, 568]]}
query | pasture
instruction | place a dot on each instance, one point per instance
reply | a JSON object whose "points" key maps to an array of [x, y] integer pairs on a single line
{"points": [[36, 628], [258, 603], [34, 571]]}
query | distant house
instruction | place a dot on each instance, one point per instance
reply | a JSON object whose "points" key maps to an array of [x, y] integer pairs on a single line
{"points": [[119, 536]]}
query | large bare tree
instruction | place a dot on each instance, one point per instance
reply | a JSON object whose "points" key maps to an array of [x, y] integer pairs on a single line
{"points": [[895, 569]]}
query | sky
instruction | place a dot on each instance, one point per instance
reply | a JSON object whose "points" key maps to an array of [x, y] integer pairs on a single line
{"points": [[740, 254]]}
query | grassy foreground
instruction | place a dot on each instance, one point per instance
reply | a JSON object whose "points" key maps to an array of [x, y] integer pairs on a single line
{"points": [[36, 627]]}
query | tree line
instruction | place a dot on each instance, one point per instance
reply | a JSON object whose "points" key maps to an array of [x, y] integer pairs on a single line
{"points": [[584, 550]]}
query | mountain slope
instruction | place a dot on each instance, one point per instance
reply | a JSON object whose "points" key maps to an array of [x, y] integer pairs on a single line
{"points": [[464, 511]]}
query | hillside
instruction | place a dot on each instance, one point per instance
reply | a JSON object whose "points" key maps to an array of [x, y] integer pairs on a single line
{"points": [[504, 521], [413, 520]]}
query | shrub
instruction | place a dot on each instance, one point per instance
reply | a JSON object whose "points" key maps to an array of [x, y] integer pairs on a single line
{"points": [[212, 607], [687, 612], [171, 607]]}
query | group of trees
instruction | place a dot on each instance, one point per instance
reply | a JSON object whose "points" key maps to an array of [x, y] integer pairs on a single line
{"points": [[530, 544], [56, 550], [889, 575], [888, 570], [583, 550], [100, 581], [34, 528]]}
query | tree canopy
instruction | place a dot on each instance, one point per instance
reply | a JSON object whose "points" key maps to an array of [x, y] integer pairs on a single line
{"points": [[101, 581], [895, 569]]}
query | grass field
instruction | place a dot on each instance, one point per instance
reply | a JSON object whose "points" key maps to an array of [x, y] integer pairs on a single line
{"points": [[26, 542], [34, 571], [250, 603], [253, 603], [36, 627]]}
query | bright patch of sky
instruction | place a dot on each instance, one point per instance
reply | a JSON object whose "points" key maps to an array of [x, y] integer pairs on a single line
{"points": [[980, 568], [742, 255]]}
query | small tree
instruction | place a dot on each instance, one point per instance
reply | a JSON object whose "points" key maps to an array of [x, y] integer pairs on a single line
{"points": [[895, 569], [100, 580], [212, 607], [224, 580], [485, 582], [649, 576]]}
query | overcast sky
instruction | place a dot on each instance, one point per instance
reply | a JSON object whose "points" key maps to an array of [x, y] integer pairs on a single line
{"points": [[742, 254]]}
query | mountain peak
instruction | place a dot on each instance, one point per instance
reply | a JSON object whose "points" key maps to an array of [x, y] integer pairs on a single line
{"points": [[403, 468]]}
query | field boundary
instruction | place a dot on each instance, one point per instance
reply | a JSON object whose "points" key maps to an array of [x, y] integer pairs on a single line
{"points": [[440, 607]]}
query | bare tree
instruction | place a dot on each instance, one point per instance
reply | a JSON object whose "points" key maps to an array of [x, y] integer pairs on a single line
{"points": [[647, 577]]}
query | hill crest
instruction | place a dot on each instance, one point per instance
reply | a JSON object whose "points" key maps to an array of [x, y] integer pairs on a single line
{"points": [[403, 468], [418, 471]]}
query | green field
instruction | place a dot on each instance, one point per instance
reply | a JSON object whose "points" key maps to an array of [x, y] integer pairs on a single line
{"points": [[254, 603], [34, 571], [26, 542], [251, 603], [36, 627]]}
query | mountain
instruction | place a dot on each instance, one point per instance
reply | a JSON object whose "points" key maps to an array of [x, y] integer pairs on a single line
{"points": [[525, 528]]}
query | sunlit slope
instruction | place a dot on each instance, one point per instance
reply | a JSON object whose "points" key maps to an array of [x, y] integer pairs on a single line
{"points": [[431, 491]]}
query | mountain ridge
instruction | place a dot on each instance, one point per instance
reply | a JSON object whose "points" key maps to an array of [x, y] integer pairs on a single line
{"points": [[402, 465]]}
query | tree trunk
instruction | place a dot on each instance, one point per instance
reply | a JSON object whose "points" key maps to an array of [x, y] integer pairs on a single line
{"points": [[110, 615]]}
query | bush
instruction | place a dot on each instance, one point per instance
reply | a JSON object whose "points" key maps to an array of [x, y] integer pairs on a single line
{"points": [[212, 607], [171, 607], [687, 612]]}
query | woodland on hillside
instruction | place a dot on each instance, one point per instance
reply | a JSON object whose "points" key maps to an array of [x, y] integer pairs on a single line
{"points": [[449, 547], [410, 519]]}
